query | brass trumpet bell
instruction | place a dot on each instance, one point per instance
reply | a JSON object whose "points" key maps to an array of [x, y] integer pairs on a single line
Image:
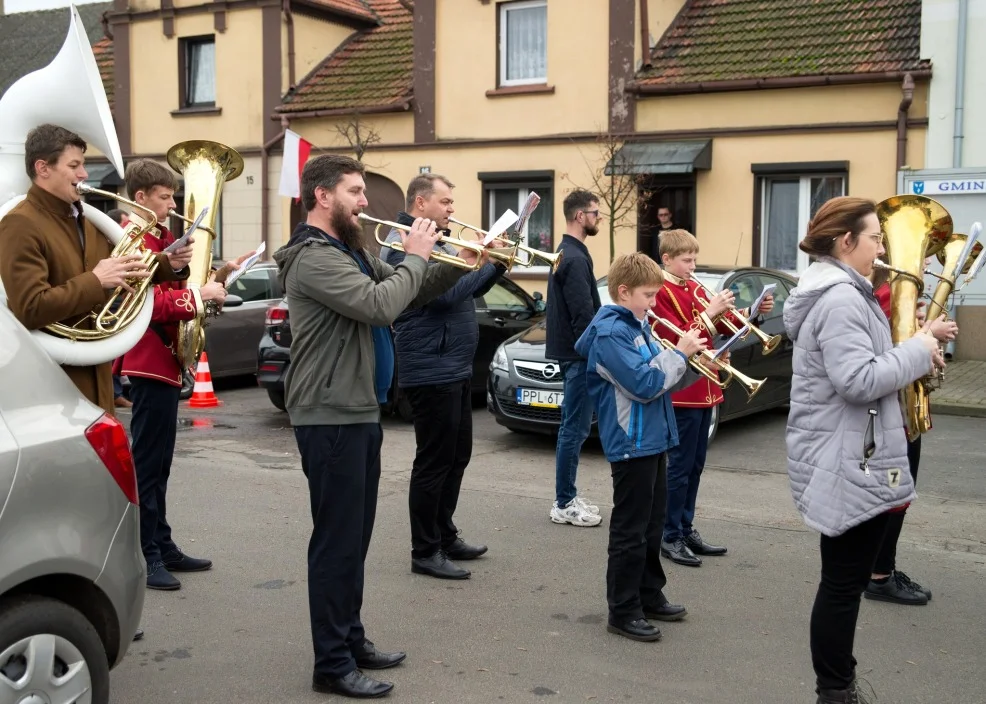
{"points": [[553, 259], [442, 257]]}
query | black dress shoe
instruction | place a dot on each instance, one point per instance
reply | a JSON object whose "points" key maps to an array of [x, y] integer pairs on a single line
{"points": [[369, 658], [158, 577], [698, 546], [910, 583], [636, 630], [666, 612], [355, 685], [896, 591], [461, 550], [177, 561], [139, 634], [680, 553], [438, 565]]}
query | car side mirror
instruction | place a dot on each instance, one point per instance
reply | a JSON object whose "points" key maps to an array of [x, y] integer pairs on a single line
{"points": [[539, 304], [232, 300]]}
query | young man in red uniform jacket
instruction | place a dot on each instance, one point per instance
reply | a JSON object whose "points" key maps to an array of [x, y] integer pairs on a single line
{"points": [[681, 302], [155, 383], [887, 583]]}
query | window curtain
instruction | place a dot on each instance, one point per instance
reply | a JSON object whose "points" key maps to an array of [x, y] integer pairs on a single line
{"points": [[527, 32]]}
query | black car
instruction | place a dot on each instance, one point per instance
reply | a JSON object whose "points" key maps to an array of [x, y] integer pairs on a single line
{"points": [[502, 313], [525, 389]]}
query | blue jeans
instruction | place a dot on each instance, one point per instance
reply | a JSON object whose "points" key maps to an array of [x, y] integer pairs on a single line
{"points": [[117, 387], [685, 464], [576, 421]]}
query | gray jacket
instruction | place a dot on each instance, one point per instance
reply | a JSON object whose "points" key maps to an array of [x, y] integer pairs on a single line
{"points": [[845, 366], [334, 306]]}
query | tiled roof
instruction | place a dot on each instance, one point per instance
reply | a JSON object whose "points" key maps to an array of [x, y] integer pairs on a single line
{"points": [[30, 40], [714, 41], [370, 70], [354, 8], [103, 50]]}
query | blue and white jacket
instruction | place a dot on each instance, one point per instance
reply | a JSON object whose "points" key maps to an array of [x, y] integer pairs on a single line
{"points": [[630, 379]]}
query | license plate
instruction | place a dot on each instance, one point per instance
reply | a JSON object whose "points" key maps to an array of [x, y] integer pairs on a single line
{"points": [[540, 398]]}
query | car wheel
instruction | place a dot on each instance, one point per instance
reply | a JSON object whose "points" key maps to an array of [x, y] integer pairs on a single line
{"points": [[714, 424], [277, 398], [50, 648]]}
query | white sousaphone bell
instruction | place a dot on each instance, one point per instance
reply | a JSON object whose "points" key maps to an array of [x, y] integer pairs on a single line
{"points": [[67, 92]]}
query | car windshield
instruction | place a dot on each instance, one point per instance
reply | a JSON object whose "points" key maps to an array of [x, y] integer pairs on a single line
{"points": [[709, 279]]}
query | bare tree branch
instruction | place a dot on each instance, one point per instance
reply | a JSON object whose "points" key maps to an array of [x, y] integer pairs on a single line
{"points": [[358, 135], [619, 189]]}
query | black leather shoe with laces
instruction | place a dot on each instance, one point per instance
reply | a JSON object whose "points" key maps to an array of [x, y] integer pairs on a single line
{"points": [[158, 577], [355, 685], [665, 612], [461, 550], [438, 565], [680, 553], [636, 630], [177, 561], [698, 546], [369, 658], [896, 591]]}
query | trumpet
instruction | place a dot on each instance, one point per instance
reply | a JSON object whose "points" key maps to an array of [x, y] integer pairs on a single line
{"points": [[750, 385], [442, 257], [553, 259], [768, 342]]}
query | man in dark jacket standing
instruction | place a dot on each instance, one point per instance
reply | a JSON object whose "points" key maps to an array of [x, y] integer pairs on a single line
{"points": [[436, 345], [343, 301], [572, 302]]}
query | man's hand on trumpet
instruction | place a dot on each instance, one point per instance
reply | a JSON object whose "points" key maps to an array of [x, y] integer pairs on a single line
{"points": [[421, 240], [942, 330]]}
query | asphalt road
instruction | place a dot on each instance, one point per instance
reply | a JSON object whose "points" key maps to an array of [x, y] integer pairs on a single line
{"points": [[529, 626]]}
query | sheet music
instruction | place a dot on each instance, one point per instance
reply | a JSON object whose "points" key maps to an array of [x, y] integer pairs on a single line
{"points": [[730, 342], [755, 308], [183, 240], [250, 261], [500, 226], [525, 213]]}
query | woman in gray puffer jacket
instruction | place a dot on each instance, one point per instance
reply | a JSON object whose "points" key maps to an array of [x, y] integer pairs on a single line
{"points": [[846, 445]]}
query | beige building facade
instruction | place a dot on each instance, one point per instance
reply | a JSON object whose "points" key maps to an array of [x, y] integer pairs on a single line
{"points": [[741, 121]]}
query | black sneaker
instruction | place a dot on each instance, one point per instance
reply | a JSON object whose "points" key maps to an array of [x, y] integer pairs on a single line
{"points": [[907, 581], [158, 577], [895, 591]]}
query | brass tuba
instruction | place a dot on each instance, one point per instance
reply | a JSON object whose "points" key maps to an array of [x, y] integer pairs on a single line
{"points": [[914, 228], [206, 166]]}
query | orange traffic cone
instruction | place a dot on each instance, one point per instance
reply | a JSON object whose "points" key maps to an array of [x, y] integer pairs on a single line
{"points": [[203, 395]]}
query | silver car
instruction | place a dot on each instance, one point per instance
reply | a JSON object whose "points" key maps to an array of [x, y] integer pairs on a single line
{"points": [[71, 571]]}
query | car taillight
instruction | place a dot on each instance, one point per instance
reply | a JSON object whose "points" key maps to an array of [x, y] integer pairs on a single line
{"points": [[109, 440], [276, 315]]}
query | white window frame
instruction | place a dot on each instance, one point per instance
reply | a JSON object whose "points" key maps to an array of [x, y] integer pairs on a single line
{"points": [[804, 210], [504, 9], [522, 195]]}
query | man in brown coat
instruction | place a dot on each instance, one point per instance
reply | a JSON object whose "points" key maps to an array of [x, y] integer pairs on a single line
{"points": [[55, 266]]}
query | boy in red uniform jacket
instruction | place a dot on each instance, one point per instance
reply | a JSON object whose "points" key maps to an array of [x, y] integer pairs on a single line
{"points": [[682, 303], [155, 382]]}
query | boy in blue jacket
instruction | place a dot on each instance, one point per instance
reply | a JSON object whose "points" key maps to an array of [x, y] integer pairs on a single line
{"points": [[630, 378]]}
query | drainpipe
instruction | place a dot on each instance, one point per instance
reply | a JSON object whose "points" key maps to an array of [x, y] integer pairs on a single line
{"points": [[289, 21], [957, 135], [644, 36], [264, 209], [907, 88]]}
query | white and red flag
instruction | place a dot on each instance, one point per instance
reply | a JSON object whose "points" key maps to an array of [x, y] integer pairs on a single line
{"points": [[296, 151]]}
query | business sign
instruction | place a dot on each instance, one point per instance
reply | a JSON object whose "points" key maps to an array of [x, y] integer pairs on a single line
{"points": [[951, 187]]}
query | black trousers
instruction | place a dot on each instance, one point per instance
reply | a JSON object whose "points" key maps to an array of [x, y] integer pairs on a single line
{"points": [[886, 560], [634, 575], [153, 426], [847, 562], [443, 431], [342, 464]]}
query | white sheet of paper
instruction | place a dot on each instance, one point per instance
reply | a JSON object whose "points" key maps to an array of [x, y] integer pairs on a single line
{"points": [[525, 213], [500, 226], [769, 288], [183, 240], [247, 263], [730, 342]]}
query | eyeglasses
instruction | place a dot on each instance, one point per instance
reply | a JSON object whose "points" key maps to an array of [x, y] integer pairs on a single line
{"points": [[594, 213], [878, 238]]}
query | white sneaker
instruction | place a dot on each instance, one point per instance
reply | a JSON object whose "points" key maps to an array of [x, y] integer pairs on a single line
{"points": [[584, 503], [574, 514]]}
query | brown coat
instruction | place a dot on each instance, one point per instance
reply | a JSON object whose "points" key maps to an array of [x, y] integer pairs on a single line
{"points": [[47, 275]]}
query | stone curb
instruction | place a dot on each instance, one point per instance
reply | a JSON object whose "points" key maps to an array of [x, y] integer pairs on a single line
{"points": [[946, 408]]}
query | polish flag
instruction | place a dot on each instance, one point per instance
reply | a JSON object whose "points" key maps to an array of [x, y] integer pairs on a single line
{"points": [[296, 151]]}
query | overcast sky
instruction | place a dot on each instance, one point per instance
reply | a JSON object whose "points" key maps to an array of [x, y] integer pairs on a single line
{"points": [[28, 5]]}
